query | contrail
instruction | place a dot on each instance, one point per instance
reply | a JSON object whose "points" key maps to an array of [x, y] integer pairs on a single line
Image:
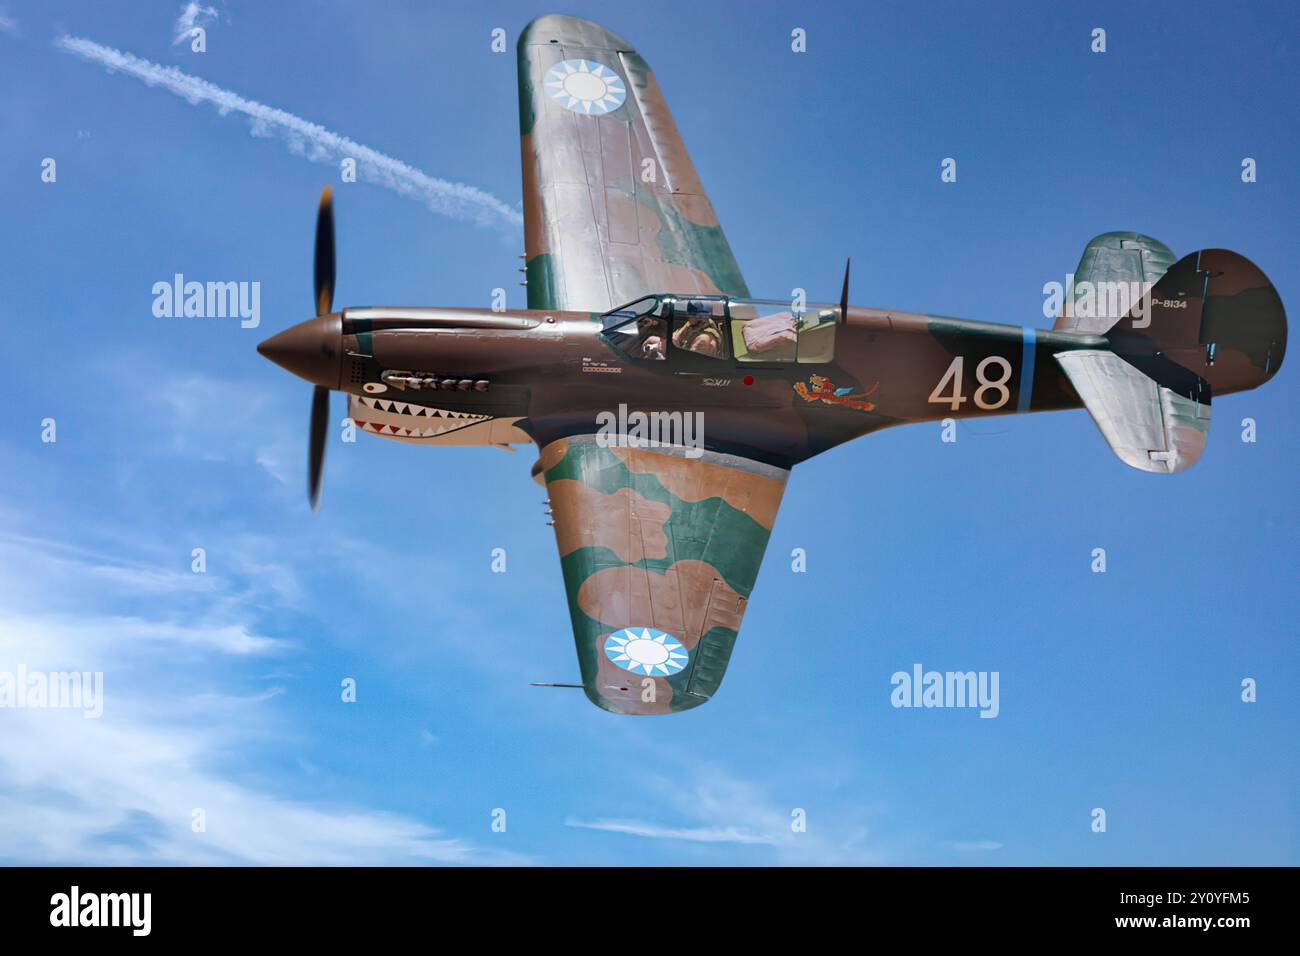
{"points": [[309, 139]]}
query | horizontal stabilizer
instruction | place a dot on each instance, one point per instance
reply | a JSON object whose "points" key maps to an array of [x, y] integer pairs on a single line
{"points": [[1149, 426], [1116, 270]]}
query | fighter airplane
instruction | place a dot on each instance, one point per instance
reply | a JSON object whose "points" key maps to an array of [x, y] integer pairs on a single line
{"points": [[636, 306]]}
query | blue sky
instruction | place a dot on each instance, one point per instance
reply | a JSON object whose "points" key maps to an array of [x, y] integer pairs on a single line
{"points": [[1118, 690]]}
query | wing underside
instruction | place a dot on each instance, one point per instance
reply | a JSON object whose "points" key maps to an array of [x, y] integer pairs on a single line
{"points": [[659, 552], [613, 208]]}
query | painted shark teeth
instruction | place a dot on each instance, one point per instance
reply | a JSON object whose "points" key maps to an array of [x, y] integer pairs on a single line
{"points": [[400, 431], [418, 411]]}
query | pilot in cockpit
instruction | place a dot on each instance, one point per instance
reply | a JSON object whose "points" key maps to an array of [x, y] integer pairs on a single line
{"points": [[651, 333], [699, 332]]}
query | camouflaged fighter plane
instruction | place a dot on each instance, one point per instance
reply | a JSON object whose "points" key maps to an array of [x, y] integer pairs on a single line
{"points": [[660, 546]]}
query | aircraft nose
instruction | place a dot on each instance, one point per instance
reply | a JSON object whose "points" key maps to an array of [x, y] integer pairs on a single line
{"points": [[312, 350]]}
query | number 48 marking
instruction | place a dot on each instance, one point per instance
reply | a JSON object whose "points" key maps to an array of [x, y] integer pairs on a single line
{"points": [[953, 379]]}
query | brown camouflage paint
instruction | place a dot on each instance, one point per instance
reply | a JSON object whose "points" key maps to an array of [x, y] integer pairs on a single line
{"points": [[661, 541]]}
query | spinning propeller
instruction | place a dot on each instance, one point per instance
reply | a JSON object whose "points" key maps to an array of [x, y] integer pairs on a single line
{"points": [[313, 349], [320, 397]]}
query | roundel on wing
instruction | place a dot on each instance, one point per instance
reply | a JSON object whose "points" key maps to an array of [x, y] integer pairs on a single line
{"points": [[586, 87], [643, 650]]}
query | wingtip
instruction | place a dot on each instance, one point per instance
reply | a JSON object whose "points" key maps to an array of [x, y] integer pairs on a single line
{"points": [[565, 30]]}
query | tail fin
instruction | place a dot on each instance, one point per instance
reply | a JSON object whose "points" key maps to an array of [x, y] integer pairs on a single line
{"points": [[1213, 314], [1212, 324]]}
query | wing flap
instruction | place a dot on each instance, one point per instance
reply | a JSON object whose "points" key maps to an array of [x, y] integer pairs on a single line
{"points": [[1149, 426]]}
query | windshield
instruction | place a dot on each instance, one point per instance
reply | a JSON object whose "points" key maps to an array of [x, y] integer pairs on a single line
{"points": [[632, 310], [638, 330]]}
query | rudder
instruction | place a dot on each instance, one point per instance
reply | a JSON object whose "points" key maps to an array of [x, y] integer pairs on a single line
{"points": [[1213, 314]]}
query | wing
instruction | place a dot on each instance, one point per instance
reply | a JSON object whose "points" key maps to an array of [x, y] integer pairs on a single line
{"points": [[613, 208], [659, 554], [1149, 426]]}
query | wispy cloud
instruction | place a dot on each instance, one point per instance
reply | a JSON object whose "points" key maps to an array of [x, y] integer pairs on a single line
{"points": [[7, 23], [196, 405], [192, 15], [653, 832], [76, 791], [718, 807], [976, 846], [233, 639], [133, 786], [307, 139]]}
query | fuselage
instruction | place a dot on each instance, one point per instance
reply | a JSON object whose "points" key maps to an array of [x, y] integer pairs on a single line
{"points": [[528, 375]]}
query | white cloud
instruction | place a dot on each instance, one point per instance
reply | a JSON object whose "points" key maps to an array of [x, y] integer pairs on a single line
{"points": [[207, 412], [976, 846], [56, 560], [720, 807], [308, 139], [7, 23], [83, 633], [74, 787], [178, 701], [192, 15], [653, 832], [51, 579], [274, 461]]}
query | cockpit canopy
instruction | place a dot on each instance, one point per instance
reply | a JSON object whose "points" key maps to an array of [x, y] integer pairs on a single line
{"points": [[760, 331]]}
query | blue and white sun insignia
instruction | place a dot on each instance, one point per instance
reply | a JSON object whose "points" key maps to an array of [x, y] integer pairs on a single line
{"points": [[643, 650], [586, 86]]}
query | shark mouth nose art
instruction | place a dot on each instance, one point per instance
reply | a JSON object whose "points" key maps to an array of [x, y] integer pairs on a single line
{"points": [[412, 421]]}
